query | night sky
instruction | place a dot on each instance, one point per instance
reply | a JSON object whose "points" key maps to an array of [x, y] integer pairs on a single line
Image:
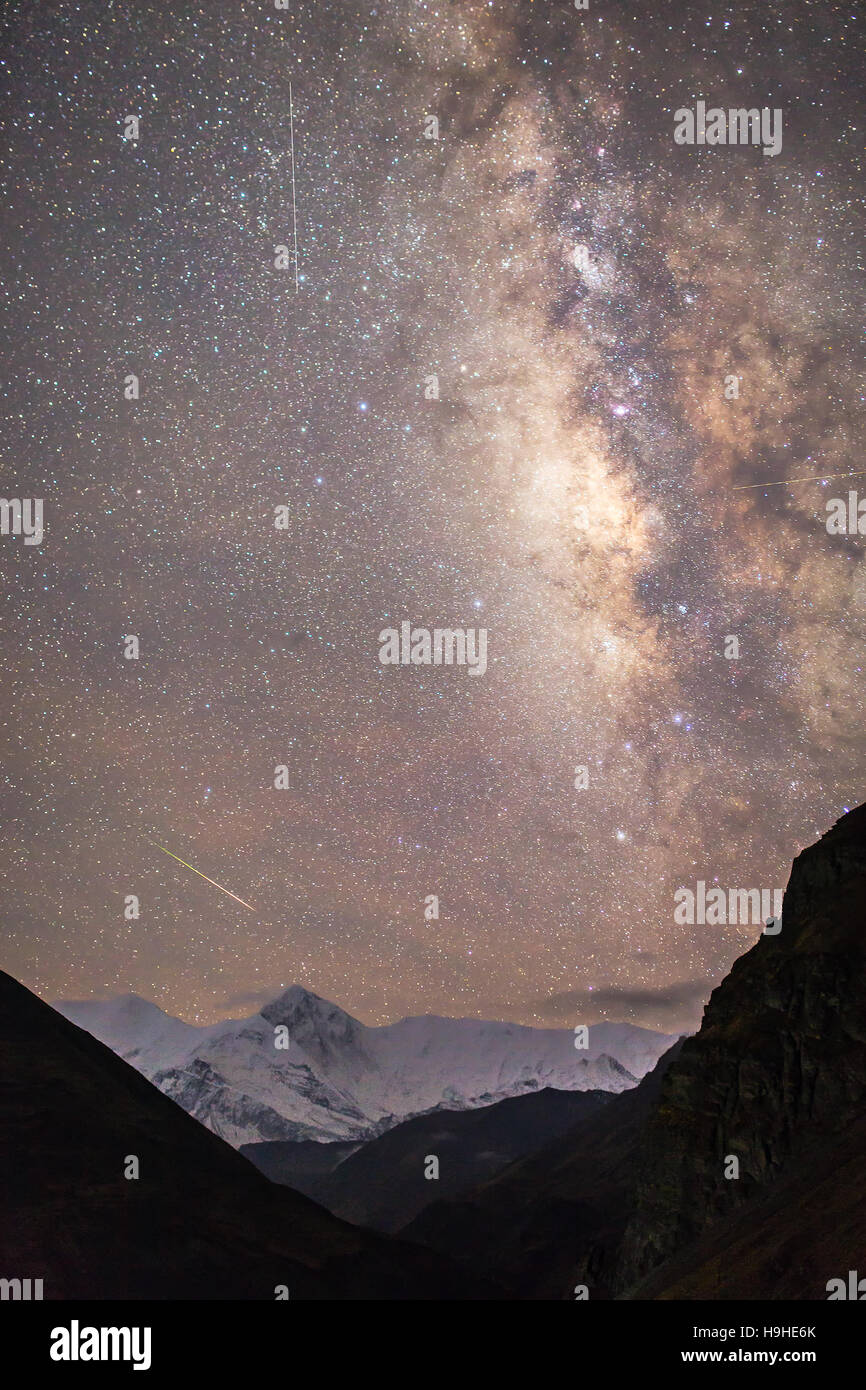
{"points": [[574, 490]]}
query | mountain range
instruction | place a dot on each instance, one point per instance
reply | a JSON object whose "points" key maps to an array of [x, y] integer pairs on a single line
{"points": [[382, 1184], [341, 1081], [734, 1169]]}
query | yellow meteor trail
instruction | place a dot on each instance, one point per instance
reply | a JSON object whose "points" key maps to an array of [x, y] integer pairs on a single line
{"points": [[815, 478], [204, 876]]}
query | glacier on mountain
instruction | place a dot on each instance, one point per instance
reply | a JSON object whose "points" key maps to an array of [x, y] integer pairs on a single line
{"points": [[339, 1079]]}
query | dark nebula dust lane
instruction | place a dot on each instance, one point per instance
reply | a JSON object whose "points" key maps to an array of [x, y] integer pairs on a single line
{"points": [[580, 482]]}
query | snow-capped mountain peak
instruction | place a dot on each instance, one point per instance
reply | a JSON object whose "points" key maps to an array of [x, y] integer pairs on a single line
{"points": [[338, 1078], [312, 1021], [131, 1026]]}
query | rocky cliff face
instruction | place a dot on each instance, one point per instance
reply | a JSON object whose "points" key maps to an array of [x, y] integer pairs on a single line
{"points": [[778, 1070]]}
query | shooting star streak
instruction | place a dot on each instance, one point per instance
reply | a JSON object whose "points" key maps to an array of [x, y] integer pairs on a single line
{"points": [[204, 876], [294, 208], [786, 482]]}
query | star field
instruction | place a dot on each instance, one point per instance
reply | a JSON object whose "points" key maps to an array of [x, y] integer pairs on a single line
{"points": [[582, 488]]}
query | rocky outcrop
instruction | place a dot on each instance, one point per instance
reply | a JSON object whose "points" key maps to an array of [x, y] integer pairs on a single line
{"points": [[634, 1203], [777, 1071]]}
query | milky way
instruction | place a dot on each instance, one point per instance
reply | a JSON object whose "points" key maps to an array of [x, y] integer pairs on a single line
{"points": [[582, 488]]}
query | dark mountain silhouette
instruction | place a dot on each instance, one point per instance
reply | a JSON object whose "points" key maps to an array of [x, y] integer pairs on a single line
{"points": [[550, 1220], [199, 1223], [298, 1163], [776, 1077], [636, 1203], [383, 1185], [808, 1229]]}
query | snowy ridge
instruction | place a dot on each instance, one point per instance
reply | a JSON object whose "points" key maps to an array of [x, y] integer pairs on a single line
{"points": [[340, 1079]]}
